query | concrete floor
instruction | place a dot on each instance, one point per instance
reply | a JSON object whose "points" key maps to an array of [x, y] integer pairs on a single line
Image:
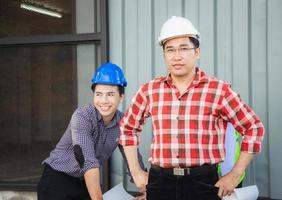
{"points": [[10, 195]]}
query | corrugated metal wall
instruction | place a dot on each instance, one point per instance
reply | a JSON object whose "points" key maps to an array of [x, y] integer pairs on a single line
{"points": [[241, 43]]}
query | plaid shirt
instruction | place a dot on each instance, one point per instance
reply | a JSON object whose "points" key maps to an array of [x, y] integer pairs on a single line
{"points": [[189, 128]]}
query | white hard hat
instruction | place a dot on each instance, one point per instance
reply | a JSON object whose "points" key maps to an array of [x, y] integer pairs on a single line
{"points": [[175, 27]]}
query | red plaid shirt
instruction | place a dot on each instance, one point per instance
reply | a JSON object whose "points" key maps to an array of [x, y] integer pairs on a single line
{"points": [[189, 129]]}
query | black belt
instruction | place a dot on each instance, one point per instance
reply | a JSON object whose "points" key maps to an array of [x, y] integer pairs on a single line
{"points": [[185, 171]]}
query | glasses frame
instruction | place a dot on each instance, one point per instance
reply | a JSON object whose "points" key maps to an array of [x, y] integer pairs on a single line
{"points": [[182, 50]]}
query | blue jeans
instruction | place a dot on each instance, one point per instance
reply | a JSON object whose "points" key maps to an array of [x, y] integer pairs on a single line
{"points": [[163, 185]]}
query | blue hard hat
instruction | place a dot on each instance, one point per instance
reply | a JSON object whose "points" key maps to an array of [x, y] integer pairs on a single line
{"points": [[109, 74]]}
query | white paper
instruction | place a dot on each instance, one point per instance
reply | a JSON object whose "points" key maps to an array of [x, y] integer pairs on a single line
{"points": [[117, 193], [230, 197], [245, 193]]}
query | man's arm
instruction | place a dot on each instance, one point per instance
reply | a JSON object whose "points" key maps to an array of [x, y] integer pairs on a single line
{"points": [[140, 177], [92, 180], [246, 122], [229, 182], [130, 126], [140, 160]]}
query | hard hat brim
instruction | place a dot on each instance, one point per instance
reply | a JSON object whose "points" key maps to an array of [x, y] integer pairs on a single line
{"points": [[162, 42]]}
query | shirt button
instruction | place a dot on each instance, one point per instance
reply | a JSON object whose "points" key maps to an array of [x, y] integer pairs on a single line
{"points": [[177, 156], [177, 117]]}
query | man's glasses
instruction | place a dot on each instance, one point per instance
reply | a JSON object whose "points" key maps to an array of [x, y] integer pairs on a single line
{"points": [[182, 50]]}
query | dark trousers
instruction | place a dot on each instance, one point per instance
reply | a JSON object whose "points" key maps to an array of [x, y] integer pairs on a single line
{"points": [[57, 185], [163, 185]]}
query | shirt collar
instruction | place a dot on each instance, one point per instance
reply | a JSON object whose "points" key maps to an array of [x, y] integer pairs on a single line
{"points": [[200, 77]]}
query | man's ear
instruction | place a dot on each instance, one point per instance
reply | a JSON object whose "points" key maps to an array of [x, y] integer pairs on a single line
{"points": [[198, 52], [121, 98]]}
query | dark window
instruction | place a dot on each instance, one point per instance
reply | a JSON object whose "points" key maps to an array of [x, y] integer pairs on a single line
{"points": [[39, 17], [43, 60]]}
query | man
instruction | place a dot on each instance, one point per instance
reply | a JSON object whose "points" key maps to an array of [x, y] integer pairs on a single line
{"points": [[72, 169], [189, 112]]}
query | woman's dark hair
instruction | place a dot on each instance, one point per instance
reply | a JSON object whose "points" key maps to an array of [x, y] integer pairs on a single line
{"points": [[120, 89]]}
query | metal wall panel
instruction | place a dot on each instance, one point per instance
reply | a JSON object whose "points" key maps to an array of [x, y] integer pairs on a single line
{"points": [[274, 55], [241, 41], [258, 83], [116, 46]]}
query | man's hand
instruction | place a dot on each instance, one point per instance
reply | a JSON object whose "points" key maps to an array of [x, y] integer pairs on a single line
{"points": [[140, 178], [227, 184]]}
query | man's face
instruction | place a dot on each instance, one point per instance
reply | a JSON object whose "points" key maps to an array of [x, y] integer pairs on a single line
{"points": [[180, 56], [106, 100]]}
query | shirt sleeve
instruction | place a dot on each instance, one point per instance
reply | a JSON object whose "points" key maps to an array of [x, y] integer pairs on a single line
{"points": [[83, 142], [134, 117], [244, 120]]}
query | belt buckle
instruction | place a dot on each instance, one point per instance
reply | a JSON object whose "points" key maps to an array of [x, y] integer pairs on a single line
{"points": [[178, 171]]}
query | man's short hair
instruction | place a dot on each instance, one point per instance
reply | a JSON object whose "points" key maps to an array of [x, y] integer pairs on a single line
{"points": [[120, 89], [195, 42]]}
